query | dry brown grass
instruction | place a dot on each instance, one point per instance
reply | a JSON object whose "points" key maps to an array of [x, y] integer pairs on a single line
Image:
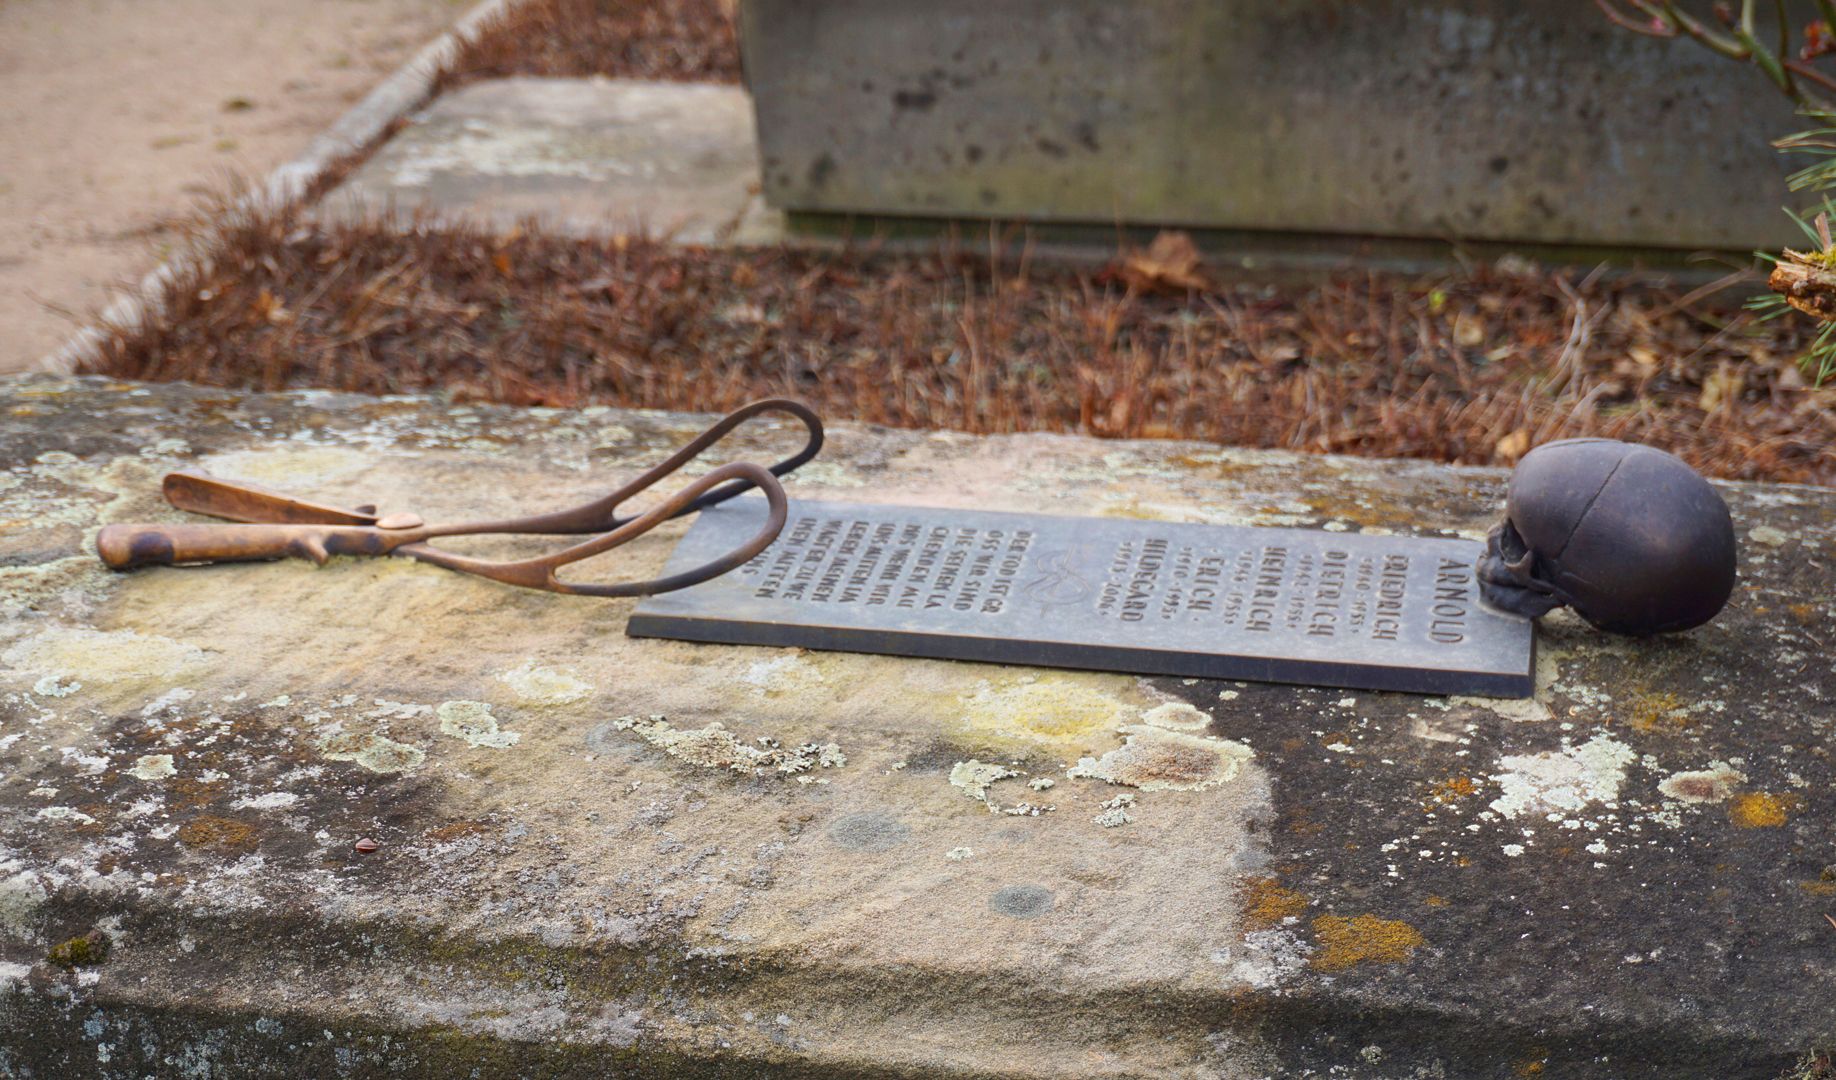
{"points": [[1472, 368], [685, 40]]}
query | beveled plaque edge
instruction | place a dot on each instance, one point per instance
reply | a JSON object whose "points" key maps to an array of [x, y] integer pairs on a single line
{"points": [[1086, 657]]}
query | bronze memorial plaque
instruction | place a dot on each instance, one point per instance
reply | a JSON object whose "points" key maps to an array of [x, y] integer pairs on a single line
{"points": [[1152, 598]]}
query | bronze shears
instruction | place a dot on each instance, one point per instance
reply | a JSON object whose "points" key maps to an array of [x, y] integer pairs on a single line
{"points": [[275, 525]]}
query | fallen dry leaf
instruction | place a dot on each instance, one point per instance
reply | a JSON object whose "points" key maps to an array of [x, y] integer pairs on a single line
{"points": [[1170, 264], [269, 308], [1512, 446], [1722, 387]]}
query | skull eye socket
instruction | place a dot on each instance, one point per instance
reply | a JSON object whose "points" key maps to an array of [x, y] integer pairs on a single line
{"points": [[1524, 564], [1513, 577], [1511, 546]]}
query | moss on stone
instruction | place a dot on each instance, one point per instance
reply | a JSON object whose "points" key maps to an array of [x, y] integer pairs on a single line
{"points": [[220, 833], [86, 951]]}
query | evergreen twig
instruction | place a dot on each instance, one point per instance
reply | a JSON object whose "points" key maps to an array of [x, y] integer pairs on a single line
{"points": [[1804, 281]]}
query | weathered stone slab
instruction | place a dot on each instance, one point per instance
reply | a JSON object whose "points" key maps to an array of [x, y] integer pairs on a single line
{"points": [[1623, 877], [589, 156], [1471, 119], [1153, 598]]}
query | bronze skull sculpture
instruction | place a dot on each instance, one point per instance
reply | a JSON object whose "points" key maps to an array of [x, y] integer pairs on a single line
{"points": [[1630, 537]]}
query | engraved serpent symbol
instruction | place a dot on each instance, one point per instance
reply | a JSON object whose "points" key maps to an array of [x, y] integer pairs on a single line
{"points": [[1057, 583]]}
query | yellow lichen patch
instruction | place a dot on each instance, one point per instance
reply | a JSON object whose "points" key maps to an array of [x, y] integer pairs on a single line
{"points": [[1762, 809], [1137, 510], [221, 833], [1155, 759], [1065, 712], [1435, 901], [1449, 790], [290, 466], [1267, 903], [1659, 714], [1818, 888], [1342, 943], [1215, 463], [1366, 510], [104, 656]]}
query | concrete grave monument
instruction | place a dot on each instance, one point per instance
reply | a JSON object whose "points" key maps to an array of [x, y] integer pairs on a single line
{"points": [[377, 818]]}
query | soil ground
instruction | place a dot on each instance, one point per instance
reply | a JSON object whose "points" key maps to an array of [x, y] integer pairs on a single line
{"points": [[115, 114], [1469, 367]]}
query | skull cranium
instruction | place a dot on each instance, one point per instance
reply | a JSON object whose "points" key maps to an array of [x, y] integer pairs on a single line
{"points": [[1631, 538]]}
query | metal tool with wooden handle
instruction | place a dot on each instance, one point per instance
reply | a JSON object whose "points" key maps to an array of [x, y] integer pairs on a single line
{"points": [[128, 547], [275, 525]]}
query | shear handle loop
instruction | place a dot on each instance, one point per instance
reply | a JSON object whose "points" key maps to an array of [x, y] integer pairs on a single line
{"points": [[811, 447], [539, 573], [602, 514]]}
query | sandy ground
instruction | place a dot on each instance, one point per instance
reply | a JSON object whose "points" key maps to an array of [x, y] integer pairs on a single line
{"points": [[116, 114]]}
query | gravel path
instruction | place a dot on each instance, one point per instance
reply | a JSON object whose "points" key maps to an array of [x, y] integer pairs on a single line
{"points": [[116, 113]]}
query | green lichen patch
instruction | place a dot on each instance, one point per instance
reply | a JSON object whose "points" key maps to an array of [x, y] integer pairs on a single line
{"points": [[536, 685], [1156, 759], [85, 951], [472, 722], [714, 747], [372, 751], [152, 767], [973, 778]]}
